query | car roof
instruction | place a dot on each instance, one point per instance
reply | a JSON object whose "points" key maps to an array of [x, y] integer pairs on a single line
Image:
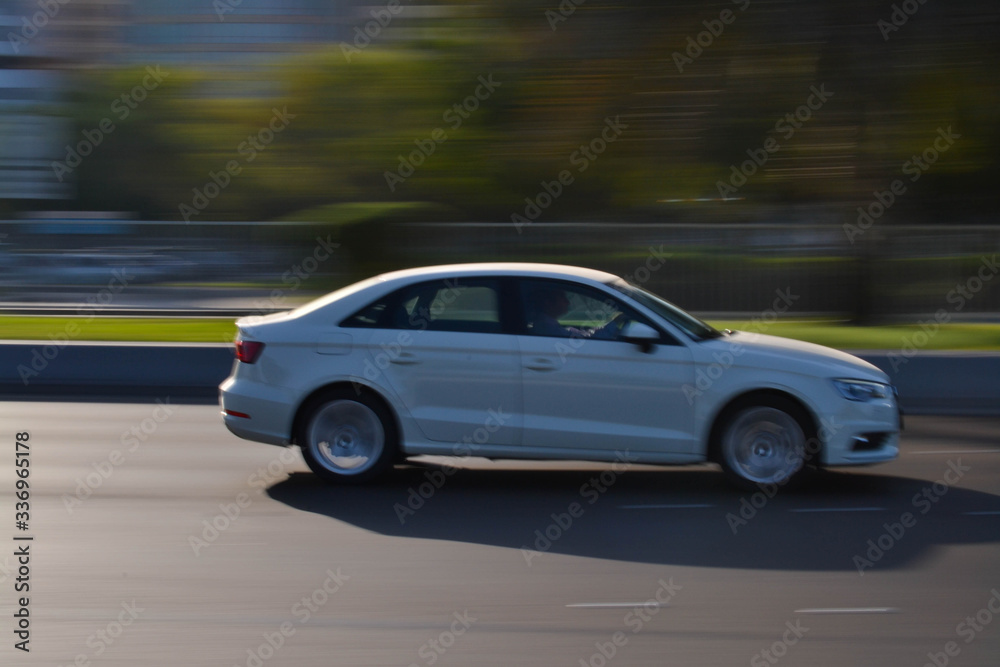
{"points": [[357, 294], [523, 269]]}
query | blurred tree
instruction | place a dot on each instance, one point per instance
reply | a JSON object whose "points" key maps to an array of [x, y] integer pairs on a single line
{"points": [[399, 121]]}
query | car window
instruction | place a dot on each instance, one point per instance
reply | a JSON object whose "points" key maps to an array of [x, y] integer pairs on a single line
{"points": [[564, 310], [685, 321], [368, 316], [440, 305], [451, 305]]}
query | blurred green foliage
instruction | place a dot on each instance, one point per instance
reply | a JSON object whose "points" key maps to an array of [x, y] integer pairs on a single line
{"points": [[352, 120]]}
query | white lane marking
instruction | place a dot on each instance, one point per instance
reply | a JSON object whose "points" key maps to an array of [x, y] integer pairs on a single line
{"points": [[850, 610], [662, 507], [982, 513], [613, 605], [959, 451], [838, 509]]}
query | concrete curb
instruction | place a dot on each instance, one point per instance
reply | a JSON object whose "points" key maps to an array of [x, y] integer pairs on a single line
{"points": [[938, 383], [113, 370], [943, 383]]}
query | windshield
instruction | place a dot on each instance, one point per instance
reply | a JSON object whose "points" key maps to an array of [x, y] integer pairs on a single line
{"points": [[684, 321]]}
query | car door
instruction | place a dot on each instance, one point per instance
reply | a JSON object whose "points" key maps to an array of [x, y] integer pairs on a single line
{"points": [[586, 389], [441, 348]]}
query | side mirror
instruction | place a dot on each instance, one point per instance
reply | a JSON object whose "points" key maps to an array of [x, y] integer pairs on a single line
{"points": [[641, 334]]}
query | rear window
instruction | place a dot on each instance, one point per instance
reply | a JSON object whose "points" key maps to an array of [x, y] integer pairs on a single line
{"points": [[439, 305]]}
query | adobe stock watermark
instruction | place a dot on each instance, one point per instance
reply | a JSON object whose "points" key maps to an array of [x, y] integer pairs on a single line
{"points": [[653, 262], [295, 276], [561, 13], [724, 360], [381, 18], [779, 649], [42, 357], [7, 568], [248, 150], [454, 115], [786, 126], [899, 17], [104, 638], [591, 491], [223, 7], [122, 107], [30, 27], [959, 296], [968, 630], [565, 347], [417, 496], [432, 650], [705, 377], [751, 505], [582, 158], [924, 502], [301, 612], [914, 168], [230, 512], [130, 441], [273, 472], [713, 30], [635, 620], [418, 321]]}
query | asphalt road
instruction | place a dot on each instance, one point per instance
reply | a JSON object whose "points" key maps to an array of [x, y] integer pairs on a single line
{"points": [[126, 567]]}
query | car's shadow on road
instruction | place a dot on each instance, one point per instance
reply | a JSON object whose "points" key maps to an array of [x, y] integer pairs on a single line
{"points": [[688, 516]]}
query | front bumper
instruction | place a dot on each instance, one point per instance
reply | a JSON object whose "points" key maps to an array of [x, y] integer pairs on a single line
{"points": [[862, 433]]}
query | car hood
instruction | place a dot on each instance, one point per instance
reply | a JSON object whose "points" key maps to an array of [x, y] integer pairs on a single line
{"points": [[794, 355]]}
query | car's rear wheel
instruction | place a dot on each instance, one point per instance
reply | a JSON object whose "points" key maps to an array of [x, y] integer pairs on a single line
{"points": [[347, 438], [763, 444]]}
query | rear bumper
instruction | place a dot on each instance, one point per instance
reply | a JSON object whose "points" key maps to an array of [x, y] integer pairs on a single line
{"points": [[268, 409]]}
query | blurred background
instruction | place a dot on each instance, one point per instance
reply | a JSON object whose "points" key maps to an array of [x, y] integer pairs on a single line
{"points": [[246, 155]]}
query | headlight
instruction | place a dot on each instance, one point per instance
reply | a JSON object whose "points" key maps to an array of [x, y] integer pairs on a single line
{"points": [[860, 390]]}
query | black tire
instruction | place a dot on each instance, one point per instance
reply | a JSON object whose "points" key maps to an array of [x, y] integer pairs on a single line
{"points": [[764, 442], [346, 437]]}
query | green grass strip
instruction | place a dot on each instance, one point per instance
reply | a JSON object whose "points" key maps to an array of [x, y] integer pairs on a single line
{"points": [[894, 337], [222, 330], [161, 329]]}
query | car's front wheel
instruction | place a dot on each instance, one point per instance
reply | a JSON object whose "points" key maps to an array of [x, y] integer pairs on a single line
{"points": [[347, 438], [763, 444]]}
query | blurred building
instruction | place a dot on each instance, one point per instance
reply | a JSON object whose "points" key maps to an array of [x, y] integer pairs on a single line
{"points": [[229, 31], [61, 34], [42, 40], [32, 134], [82, 33]]}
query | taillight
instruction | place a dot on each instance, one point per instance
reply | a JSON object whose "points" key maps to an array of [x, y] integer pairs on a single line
{"points": [[247, 351]]}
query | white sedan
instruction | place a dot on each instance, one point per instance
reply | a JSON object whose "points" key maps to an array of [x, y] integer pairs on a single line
{"points": [[539, 361]]}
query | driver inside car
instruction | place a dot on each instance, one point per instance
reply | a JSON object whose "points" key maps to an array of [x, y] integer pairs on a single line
{"points": [[550, 304]]}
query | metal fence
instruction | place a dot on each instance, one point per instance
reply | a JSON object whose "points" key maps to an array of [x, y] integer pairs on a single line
{"points": [[886, 272]]}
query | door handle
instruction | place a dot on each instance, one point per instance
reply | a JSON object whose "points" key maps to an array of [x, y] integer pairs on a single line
{"points": [[541, 364], [404, 359]]}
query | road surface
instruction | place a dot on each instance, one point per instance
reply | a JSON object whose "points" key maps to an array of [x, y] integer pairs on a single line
{"points": [[161, 539]]}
